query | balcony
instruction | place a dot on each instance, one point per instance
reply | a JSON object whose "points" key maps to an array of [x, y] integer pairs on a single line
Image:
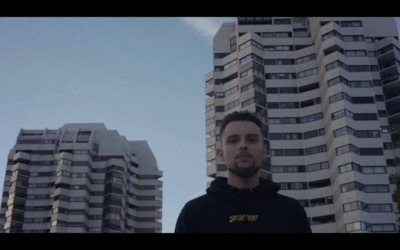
{"points": [[22, 157], [324, 228], [393, 106], [212, 170], [392, 89], [209, 89]]}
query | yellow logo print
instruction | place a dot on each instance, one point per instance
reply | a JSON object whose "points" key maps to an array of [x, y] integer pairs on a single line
{"points": [[243, 217]]}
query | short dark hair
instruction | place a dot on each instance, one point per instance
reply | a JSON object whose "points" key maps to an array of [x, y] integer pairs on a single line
{"points": [[242, 115]]}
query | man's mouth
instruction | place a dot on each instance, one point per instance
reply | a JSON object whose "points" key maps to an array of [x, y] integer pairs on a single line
{"points": [[244, 156]]}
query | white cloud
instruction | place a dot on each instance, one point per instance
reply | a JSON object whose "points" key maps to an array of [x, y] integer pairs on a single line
{"points": [[205, 27]]}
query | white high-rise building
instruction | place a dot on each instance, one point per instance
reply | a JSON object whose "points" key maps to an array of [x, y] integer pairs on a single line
{"points": [[80, 178], [328, 92]]}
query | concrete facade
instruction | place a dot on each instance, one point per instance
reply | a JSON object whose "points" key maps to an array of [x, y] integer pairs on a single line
{"points": [[328, 92], [80, 178]]}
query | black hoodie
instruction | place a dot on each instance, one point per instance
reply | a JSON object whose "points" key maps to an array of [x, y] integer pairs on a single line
{"points": [[227, 209]]}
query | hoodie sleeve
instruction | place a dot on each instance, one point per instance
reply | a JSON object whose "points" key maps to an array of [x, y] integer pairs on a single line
{"points": [[181, 223], [301, 224], [186, 221]]}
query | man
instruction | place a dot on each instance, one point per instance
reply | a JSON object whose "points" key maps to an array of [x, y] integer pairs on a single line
{"points": [[243, 202]]}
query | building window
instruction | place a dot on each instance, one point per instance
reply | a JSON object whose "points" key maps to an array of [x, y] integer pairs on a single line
{"points": [[349, 167], [249, 58], [330, 34], [83, 136], [360, 84], [250, 43], [284, 62], [284, 47], [305, 59], [296, 185], [313, 117], [387, 146], [233, 44], [292, 136], [219, 109], [278, 169], [350, 24], [317, 166], [282, 21], [295, 169], [355, 226], [276, 152], [385, 129], [319, 183], [283, 34], [369, 39], [210, 121], [210, 107], [376, 188], [363, 226], [347, 149], [275, 136], [210, 134], [294, 152], [322, 219], [254, 20], [307, 73], [353, 38], [351, 186], [381, 228], [274, 120], [351, 53], [364, 188], [357, 68], [321, 201], [315, 150], [291, 120], [289, 105], [231, 105]]}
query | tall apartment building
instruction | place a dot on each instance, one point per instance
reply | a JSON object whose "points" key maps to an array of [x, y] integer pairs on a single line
{"points": [[80, 178], [328, 92]]}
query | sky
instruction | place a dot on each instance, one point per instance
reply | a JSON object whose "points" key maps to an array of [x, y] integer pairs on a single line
{"points": [[141, 76]]}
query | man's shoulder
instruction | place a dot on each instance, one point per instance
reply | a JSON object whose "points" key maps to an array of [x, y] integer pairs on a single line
{"points": [[202, 203], [198, 200], [286, 199]]}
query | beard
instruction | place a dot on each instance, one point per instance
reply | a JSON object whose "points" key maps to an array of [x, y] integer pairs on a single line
{"points": [[244, 170]]}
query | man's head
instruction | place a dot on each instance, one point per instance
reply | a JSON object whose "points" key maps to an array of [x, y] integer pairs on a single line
{"points": [[242, 149]]}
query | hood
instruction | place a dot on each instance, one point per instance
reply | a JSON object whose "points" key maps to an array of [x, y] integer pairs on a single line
{"points": [[220, 187]]}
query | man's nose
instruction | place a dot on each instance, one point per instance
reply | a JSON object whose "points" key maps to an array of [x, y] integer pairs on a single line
{"points": [[243, 145]]}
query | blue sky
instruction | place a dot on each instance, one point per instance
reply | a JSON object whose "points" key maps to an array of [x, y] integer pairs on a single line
{"points": [[141, 76]]}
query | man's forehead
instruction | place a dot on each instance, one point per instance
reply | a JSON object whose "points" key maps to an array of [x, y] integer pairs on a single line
{"points": [[241, 127]]}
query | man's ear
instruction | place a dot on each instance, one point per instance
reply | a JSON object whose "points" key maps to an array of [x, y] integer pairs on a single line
{"points": [[221, 154], [265, 149]]}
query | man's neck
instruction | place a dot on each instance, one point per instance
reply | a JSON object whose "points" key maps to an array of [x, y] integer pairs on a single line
{"points": [[243, 183]]}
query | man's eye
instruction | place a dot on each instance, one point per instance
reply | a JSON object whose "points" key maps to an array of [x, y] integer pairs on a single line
{"points": [[232, 140], [253, 139]]}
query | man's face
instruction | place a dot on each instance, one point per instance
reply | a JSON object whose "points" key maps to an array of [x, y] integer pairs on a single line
{"points": [[242, 148]]}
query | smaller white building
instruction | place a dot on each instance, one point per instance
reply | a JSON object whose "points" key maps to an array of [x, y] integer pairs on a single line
{"points": [[80, 178]]}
